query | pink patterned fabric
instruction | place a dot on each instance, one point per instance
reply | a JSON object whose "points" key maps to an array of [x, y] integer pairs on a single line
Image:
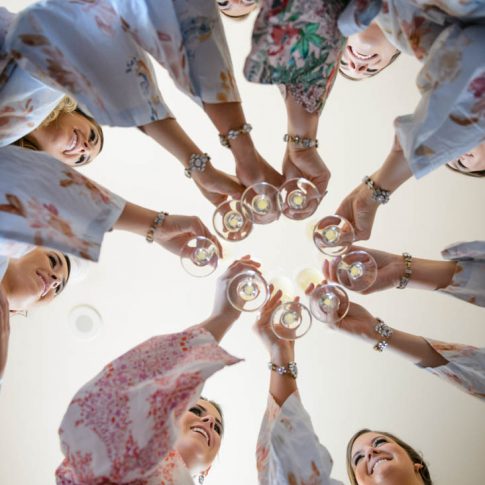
{"points": [[122, 425]]}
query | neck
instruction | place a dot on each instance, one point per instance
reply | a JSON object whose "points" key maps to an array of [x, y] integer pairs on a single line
{"points": [[7, 285]]}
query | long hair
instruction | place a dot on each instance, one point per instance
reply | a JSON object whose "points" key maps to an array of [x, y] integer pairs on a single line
{"points": [[415, 456]]}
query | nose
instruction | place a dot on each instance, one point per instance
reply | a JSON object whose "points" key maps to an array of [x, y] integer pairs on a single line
{"points": [[357, 66], [54, 280], [210, 420]]}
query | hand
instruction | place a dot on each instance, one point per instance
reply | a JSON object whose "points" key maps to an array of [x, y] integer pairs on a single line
{"points": [[252, 168], [176, 231], [217, 186], [308, 164], [4, 329], [280, 351], [360, 210], [359, 322], [390, 269]]}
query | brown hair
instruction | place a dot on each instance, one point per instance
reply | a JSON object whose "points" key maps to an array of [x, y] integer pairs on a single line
{"points": [[478, 173], [350, 78], [412, 453], [67, 105]]}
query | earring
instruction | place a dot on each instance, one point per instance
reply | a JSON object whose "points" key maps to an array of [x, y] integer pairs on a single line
{"points": [[201, 479]]}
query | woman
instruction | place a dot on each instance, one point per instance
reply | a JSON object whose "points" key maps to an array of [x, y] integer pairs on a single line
{"points": [[462, 275], [448, 37], [288, 449], [184, 37], [34, 279], [471, 163], [141, 419], [44, 202]]}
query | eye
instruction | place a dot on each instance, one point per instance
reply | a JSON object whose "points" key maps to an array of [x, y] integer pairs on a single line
{"points": [[372, 70], [380, 441], [357, 459], [52, 261], [196, 411], [343, 62], [218, 429], [81, 160], [92, 136], [460, 164], [223, 4]]}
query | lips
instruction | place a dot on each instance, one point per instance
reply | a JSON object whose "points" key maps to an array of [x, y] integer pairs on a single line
{"points": [[202, 432], [360, 56], [377, 462], [44, 282], [73, 143]]}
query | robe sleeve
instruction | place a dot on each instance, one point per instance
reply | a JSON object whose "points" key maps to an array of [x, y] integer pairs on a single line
{"points": [[468, 282], [122, 425], [297, 45], [465, 368], [288, 450], [43, 202]]}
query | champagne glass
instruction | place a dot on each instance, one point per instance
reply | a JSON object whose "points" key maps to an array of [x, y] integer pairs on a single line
{"points": [[291, 320], [333, 235], [299, 198], [230, 221], [262, 203], [329, 303], [199, 256], [357, 270], [247, 291]]}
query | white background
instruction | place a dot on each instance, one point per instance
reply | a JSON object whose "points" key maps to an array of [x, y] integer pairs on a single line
{"points": [[142, 291]]}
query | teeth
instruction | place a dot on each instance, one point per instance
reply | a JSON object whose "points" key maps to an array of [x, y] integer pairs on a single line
{"points": [[73, 144], [202, 431], [378, 462]]}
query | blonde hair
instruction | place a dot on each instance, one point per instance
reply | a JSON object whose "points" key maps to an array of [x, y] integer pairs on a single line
{"points": [[67, 105]]}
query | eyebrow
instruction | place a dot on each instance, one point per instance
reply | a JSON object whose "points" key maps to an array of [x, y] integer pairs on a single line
{"points": [[216, 418]]}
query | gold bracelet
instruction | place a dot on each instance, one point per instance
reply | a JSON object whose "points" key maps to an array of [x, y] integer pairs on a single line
{"points": [[408, 271], [158, 221]]}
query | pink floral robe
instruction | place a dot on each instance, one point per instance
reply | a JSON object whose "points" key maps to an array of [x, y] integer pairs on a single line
{"points": [[43, 202], [122, 425], [448, 36]]}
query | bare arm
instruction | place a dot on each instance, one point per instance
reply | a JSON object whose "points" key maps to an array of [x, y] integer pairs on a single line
{"points": [[4, 330]]}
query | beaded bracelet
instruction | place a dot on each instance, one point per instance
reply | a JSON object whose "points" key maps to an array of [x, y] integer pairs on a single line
{"points": [[158, 221], [197, 161], [233, 134], [378, 194], [384, 331], [408, 271], [301, 141]]}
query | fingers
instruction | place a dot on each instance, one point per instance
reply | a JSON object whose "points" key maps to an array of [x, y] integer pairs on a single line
{"points": [[330, 269], [199, 229]]}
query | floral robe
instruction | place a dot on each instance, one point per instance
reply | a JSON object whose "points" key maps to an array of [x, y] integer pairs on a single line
{"points": [[103, 60], [122, 425], [469, 279], [43, 202], [449, 38], [288, 450], [297, 44]]}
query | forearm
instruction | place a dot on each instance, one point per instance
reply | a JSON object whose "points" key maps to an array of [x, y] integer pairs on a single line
{"points": [[431, 275], [300, 121], [393, 173], [416, 349], [3, 356], [281, 387], [170, 135], [135, 219], [219, 325]]}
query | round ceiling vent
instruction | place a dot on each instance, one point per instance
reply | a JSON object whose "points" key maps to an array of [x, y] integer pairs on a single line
{"points": [[85, 322]]}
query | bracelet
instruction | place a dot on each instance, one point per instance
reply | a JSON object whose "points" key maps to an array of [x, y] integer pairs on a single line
{"points": [[379, 195], [290, 369], [384, 331], [158, 221], [408, 271], [233, 134], [197, 161], [301, 141]]}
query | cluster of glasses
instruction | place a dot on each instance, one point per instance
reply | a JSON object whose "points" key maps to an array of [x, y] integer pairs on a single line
{"points": [[233, 220]]}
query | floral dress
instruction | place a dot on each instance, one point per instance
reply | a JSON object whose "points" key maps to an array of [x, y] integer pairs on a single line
{"points": [[103, 61], [297, 44], [122, 425], [43, 202], [449, 38], [469, 279], [288, 450]]}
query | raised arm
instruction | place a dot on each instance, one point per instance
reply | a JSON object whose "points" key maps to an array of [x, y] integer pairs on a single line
{"points": [[4, 331]]}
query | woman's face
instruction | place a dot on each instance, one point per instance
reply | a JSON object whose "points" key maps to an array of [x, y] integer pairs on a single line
{"points": [[236, 8], [38, 277], [366, 53], [200, 435], [71, 138], [472, 161], [377, 459]]}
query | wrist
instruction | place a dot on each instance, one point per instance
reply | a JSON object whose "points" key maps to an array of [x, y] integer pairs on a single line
{"points": [[432, 275], [281, 357]]}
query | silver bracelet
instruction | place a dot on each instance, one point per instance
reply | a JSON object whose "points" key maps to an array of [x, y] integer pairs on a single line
{"points": [[233, 134], [197, 161], [384, 331], [301, 141], [408, 271], [158, 221], [290, 369], [378, 194]]}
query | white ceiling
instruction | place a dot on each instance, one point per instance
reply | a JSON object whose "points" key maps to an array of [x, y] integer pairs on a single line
{"points": [[141, 291]]}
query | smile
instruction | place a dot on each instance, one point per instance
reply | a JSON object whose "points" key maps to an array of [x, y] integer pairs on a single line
{"points": [[203, 432], [73, 144], [44, 284], [378, 463], [362, 57]]}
